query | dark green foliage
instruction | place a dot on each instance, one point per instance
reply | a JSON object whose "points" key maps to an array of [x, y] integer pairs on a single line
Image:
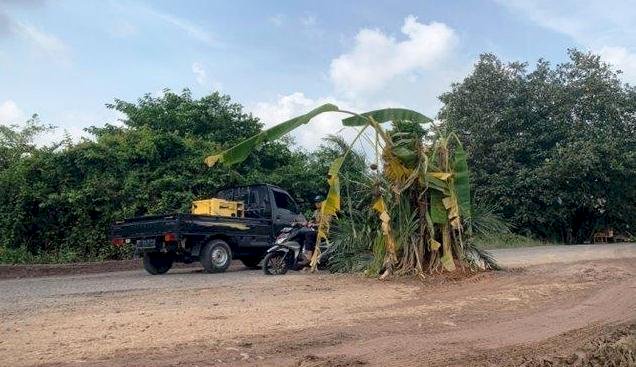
{"points": [[57, 202], [554, 148], [356, 229], [486, 221]]}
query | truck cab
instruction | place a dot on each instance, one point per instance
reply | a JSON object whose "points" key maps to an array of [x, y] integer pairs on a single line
{"points": [[265, 201], [212, 240]]}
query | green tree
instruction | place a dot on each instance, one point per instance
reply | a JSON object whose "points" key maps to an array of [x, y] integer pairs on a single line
{"points": [[554, 148], [17, 141], [59, 201]]}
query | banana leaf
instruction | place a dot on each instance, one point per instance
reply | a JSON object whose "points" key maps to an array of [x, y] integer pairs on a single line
{"points": [[385, 222], [406, 155], [438, 211], [240, 151], [331, 205], [452, 206], [433, 182], [387, 114], [393, 167], [462, 182], [440, 175]]}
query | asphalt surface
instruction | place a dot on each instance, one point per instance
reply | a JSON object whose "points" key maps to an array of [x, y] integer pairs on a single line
{"points": [[526, 256], [16, 293]]}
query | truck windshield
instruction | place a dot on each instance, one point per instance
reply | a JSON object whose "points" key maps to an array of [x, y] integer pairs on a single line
{"points": [[283, 201]]}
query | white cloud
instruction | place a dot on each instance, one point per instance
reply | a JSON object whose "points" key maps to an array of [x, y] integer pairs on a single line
{"points": [[200, 73], [308, 136], [201, 77], [377, 58], [604, 27], [10, 113], [623, 59], [277, 19], [411, 73], [71, 122]]}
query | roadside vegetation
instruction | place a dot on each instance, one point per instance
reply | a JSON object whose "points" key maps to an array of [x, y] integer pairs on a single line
{"points": [[414, 209], [551, 151], [508, 240]]}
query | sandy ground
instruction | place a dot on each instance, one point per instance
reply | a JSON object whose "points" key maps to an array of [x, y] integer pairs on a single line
{"points": [[538, 310]]}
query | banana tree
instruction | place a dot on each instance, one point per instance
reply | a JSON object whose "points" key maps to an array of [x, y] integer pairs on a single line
{"points": [[434, 176]]}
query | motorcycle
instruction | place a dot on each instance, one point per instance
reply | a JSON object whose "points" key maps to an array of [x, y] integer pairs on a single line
{"points": [[287, 251]]}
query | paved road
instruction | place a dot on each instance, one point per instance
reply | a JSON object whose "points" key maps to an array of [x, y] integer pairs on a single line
{"points": [[32, 291], [526, 256]]}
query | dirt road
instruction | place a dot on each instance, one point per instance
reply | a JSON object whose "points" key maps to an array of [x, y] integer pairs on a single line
{"points": [[242, 318]]}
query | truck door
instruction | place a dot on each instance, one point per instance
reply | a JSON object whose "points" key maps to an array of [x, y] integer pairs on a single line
{"points": [[285, 212]]}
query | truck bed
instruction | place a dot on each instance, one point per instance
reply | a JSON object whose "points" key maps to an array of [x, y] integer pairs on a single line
{"points": [[245, 233]]}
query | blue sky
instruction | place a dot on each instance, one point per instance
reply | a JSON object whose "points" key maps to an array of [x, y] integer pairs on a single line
{"points": [[66, 59]]}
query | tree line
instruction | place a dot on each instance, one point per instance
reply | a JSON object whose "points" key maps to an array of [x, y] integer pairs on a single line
{"points": [[552, 148]]}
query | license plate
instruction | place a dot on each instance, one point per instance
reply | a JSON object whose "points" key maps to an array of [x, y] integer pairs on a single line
{"points": [[146, 243]]}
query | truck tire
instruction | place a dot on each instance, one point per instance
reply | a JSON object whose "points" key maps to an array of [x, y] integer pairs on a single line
{"points": [[216, 256], [157, 263], [251, 262]]}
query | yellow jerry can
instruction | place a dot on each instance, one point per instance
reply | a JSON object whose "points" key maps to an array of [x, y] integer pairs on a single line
{"points": [[218, 207]]}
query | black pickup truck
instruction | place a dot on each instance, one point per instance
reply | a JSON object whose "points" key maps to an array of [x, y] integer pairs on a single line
{"points": [[212, 240]]}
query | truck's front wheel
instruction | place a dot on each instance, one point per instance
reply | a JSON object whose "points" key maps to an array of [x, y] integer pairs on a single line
{"points": [[216, 256], [157, 263]]}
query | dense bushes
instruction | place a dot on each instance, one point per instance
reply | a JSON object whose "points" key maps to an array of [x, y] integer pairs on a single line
{"points": [[58, 201], [554, 148]]}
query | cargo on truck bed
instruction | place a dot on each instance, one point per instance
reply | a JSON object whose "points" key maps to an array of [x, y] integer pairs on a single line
{"points": [[212, 240]]}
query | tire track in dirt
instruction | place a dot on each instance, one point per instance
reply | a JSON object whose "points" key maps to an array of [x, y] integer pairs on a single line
{"points": [[329, 320]]}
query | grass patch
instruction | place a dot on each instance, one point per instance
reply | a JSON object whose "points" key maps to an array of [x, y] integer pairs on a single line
{"points": [[64, 255], [508, 240], [21, 255]]}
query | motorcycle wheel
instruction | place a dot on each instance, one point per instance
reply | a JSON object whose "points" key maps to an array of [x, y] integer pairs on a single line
{"points": [[275, 263]]}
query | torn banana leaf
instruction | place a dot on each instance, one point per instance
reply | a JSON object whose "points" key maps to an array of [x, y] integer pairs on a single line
{"points": [[385, 219], [330, 206], [240, 151], [393, 167]]}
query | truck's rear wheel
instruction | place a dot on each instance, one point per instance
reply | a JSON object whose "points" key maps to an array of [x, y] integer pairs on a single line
{"points": [[157, 263], [251, 262], [216, 256]]}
